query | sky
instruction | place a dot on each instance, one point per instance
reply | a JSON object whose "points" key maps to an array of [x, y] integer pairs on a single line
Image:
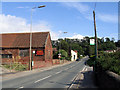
{"points": [[75, 18]]}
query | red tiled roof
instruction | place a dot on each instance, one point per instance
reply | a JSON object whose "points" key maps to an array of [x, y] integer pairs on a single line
{"points": [[22, 40]]}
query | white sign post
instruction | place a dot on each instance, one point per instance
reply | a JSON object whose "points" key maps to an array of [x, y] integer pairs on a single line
{"points": [[92, 41]]}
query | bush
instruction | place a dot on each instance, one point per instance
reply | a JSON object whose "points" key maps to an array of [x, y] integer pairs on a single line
{"points": [[68, 58], [110, 61], [106, 61], [91, 61], [62, 58]]}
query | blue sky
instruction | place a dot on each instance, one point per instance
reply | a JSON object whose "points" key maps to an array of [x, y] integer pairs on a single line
{"points": [[76, 18]]}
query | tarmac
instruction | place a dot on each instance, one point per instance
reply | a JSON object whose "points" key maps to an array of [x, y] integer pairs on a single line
{"points": [[84, 79]]}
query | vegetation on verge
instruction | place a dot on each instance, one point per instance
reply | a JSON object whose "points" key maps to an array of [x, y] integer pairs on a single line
{"points": [[16, 66], [107, 61]]}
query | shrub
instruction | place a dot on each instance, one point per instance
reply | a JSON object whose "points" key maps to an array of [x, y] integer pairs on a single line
{"points": [[107, 61], [90, 62]]}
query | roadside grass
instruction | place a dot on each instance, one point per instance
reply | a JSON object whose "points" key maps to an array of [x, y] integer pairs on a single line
{"points": [[16, 67]]}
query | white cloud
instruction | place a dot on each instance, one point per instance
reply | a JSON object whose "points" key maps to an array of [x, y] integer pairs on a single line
{"points": [[84, 9], [77, 36], [22, 7], [108, 18], [79, 6], [13, 24], [87, 12]]}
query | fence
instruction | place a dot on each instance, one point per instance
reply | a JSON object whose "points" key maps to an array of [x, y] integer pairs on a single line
{"points": [[16, 66], [22, 65]]}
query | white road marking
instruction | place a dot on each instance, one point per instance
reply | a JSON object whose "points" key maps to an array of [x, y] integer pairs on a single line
{"points": [[58, 72], [83, 68], [43, 79], [66, 69], [21, 87], [86, 69]]}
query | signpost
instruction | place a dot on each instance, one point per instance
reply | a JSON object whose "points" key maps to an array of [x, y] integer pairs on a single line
{"points": [[92, 41]]}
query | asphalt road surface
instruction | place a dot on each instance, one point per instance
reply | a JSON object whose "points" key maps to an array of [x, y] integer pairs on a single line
{"points": [[59, 77]]}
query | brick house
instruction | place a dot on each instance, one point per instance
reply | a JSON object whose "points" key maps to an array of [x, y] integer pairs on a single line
{"points": [[15, 47]]}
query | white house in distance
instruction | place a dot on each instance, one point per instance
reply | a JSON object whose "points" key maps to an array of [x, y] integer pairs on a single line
{"points": [[73, 55]]}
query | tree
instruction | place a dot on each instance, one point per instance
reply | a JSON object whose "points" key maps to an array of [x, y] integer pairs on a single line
{"points": [[113, 40], [64, 45], [63, 53], [117, 43], [107, 39]]}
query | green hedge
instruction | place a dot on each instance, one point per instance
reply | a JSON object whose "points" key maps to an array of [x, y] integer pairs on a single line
{"points": [[90, 62], [107, 61]]}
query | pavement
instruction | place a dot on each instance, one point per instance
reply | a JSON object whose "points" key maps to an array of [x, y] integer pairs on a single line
{"points": [[58, 76], [84, 79]]}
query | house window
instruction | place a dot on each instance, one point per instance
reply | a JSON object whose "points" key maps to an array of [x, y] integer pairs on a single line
{"points": [[24, 52], [6, 55]]}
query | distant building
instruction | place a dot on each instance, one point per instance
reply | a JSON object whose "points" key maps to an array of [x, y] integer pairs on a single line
{"points": [[15, 47], [110, 51], [73, 55]]}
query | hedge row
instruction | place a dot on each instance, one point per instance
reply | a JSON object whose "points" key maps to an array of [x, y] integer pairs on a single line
{"points": [[107, 61]]}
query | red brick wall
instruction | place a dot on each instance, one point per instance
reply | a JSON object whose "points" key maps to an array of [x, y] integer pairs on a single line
{"points": [[39, 61], [48, 50], [15, 55]]}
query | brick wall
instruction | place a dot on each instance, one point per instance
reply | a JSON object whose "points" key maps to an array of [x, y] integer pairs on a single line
{"points": [[39, 61], [48, 50], [15, 55]]}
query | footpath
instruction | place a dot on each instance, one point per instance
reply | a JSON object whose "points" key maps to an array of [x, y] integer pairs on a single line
{"points": [[84, 79]]}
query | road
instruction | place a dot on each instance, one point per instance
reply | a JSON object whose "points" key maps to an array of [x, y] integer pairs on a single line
{"points": [[59, 77]]}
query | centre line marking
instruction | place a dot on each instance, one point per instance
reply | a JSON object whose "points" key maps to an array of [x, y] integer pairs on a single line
{"points": [[58, 72], [21, 87], [42, 78]]}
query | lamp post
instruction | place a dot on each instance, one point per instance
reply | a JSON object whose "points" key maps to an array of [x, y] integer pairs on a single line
{"points": [[31, 35]]}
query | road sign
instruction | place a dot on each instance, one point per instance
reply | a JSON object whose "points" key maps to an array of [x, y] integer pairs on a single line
{"points": [[92, 41]]}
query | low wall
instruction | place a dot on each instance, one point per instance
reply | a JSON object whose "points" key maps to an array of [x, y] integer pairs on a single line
{"points": [[107, 79], [57, 61]]}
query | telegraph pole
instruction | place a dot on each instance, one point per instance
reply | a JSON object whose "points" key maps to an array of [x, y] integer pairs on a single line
{"points": [[96, 51]]}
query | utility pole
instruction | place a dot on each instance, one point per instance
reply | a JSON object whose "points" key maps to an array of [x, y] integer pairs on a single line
{"points": [[96, 52]]}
